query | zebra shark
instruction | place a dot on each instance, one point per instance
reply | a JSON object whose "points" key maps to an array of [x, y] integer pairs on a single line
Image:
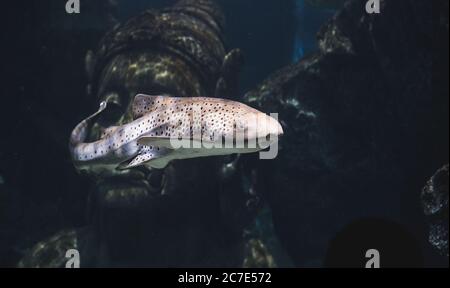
{"points": [[168, 128]]}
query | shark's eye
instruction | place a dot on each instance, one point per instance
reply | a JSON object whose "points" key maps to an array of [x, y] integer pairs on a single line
{"points": [[268, 137]]}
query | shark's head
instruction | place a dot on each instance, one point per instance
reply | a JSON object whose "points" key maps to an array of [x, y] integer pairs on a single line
{"points": [[259, 128]]}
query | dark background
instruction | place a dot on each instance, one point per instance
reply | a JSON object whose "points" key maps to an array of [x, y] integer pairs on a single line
{"points": [[43, 97]]}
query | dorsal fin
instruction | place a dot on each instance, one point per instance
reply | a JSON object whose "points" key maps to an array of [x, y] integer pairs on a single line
{"points": [[143, 104]]}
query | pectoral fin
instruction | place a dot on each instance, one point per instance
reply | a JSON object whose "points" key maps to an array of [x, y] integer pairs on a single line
{"points": [[147, 156]]}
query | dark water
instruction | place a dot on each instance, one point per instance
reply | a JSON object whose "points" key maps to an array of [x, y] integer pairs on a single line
{"points": [[44, 92]]}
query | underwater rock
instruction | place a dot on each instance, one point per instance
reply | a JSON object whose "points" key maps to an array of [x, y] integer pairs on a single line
{"points": [[434, 199], [353, 114], [186, 37], [51, 252], [227, 85], [257, 255]]}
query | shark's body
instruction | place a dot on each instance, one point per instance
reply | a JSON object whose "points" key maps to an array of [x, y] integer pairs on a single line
{"points": [[164, 127]]}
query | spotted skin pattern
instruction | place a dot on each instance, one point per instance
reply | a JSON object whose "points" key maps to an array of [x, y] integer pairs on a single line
{"points": [[161, 117]]}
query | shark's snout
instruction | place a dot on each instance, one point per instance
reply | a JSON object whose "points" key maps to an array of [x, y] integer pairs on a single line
{"points": [[261, 125], [261, 128], [275, 127]]}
